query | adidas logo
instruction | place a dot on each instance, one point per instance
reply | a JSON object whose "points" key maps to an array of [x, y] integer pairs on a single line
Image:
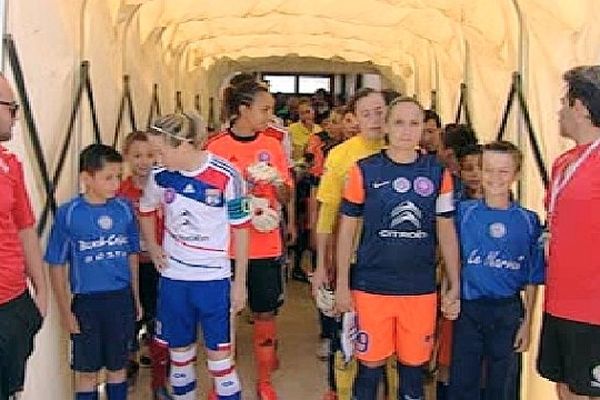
{"points": [[189, 188]]}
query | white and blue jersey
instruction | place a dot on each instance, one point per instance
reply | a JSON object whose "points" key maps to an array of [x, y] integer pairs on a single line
{"points": [[199, 207], [96, 240], [501, 250]]}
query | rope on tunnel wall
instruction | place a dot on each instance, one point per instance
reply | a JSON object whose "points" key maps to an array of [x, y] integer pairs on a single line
{"points": [[433, 105], [154, 106], [212, 126], [516, 90], [178, 102], [126, 101], [85, 85], [463, 106], [34, 137], [197, 104]]}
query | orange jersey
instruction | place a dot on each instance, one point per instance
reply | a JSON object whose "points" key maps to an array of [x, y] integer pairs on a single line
{"points": [[244, 152], [319, 145]]}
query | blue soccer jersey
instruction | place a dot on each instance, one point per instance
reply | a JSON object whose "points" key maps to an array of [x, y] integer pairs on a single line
{"points": [[399, 204], [501, 250], [95, 240]]}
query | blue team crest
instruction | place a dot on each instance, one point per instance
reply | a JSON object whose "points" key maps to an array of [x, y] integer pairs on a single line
{"points": [[212, 196], [497, 230], [264, 156], [105, 222], [423, 186]]}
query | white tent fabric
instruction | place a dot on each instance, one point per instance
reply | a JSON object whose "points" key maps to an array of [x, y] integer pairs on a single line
{"points": [[192, 46]]}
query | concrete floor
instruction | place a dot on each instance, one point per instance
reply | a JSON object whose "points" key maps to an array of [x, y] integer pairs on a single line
{"points": [[301, 375]]}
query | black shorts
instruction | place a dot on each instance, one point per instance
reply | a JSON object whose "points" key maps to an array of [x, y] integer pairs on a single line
{"points": [[570, 354], [265, 284], [20, 320], [107, 323]]}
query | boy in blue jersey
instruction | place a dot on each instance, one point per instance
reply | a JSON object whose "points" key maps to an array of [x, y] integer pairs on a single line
{"points": [[96, 233], [202, 196], [500, 255]]}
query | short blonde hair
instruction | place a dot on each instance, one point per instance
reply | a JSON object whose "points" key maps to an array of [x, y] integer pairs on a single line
{"points": [[181, 127]]}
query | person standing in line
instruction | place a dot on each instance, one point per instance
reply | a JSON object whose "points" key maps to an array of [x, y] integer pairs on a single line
{"points": [[369, 107], [262, 161], [21, 311], [404, 200], [569, 352], [501, 255], [202, 197], [96, 234]]}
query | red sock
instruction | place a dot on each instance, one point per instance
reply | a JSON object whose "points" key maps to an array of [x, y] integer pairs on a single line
{"points": [[159, 354], [264, 348]]}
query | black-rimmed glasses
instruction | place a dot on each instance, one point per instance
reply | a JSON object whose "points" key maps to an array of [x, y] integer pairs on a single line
{"points": [[13, 107]]}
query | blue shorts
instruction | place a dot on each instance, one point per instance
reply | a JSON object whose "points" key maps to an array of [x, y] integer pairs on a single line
{"points": [[107, 324], [183, 305]]}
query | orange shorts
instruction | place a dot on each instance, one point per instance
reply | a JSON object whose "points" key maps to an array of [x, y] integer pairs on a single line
{"points": [[445, 341], [388, 324]]}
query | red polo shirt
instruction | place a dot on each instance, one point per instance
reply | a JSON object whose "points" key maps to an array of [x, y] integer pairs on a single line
{"points": [[15, 215], [573, 277]]}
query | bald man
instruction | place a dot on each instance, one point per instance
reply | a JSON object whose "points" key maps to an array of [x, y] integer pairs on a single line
{"points": [[21, 312]]}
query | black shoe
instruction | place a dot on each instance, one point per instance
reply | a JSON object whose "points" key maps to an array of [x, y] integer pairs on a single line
{"points": [[161, 394], [300, 276]]}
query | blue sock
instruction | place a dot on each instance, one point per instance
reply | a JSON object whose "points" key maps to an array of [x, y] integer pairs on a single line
{"points": [[411, 382], [367, 381], [86, 395], [116, 391]]}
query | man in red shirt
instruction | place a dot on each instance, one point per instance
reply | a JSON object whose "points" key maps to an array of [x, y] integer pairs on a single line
{"points": [[570, 344], [20, 258]]}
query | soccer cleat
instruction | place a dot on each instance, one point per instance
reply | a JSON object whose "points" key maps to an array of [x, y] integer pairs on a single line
{"points": [[323, 349], [300, 276], [330, 395], [212, 395], [161, 394], [266, 391]]}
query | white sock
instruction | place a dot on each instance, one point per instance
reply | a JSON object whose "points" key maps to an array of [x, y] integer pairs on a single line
{"points": [[226, 378], [183, 374]]}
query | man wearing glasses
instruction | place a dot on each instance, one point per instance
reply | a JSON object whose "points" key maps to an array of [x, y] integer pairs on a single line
{"points": [[21, 313]]}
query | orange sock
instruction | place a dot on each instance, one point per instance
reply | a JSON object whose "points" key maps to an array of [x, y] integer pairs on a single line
{"points": [[264, 348]]}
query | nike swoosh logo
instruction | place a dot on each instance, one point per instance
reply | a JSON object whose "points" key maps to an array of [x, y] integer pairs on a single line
{"points": [[377, 185]]}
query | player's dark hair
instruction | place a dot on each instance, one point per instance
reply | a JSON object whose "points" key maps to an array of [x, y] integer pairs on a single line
{"points": [[95, 157], [505, 147]]}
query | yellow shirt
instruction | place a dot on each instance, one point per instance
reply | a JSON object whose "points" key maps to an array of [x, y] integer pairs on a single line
{"points": [[300, 134], [338, 163]]}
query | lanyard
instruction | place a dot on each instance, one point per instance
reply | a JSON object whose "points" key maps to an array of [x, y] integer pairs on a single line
{"points": [[562, 179]]}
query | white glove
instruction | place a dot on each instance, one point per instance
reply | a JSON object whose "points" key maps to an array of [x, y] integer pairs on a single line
{"points": [[326, 301], [264, 218], [262, 171], [348, 335]]}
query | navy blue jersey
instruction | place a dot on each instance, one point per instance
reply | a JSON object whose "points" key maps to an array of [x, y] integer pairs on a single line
{"points": [[95, 240], [501, 250], [399, 204]]}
